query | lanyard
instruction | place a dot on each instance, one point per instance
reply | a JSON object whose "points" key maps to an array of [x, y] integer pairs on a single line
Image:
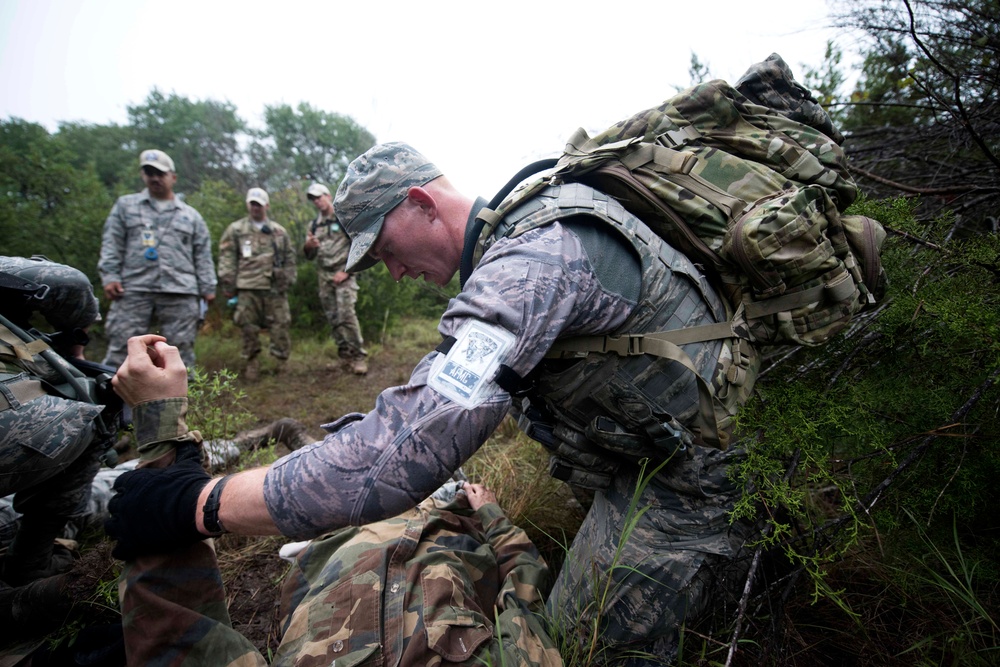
{"points": [[152, 253]]}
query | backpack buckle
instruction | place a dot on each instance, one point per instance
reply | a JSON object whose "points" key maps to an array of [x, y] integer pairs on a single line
{"points": [[624, 346]]}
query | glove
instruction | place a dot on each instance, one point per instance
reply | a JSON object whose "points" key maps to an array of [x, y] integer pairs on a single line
{"points": [[153, 509]]}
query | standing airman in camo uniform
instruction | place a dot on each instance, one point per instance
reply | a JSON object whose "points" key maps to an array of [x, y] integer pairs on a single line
{"points": [[48, 453], [156, 261], [569, 262], [257, 266], [327, 242]]}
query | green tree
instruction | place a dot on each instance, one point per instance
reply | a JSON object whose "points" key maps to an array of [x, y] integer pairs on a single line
{"points": [[110, 150], [308, 144], [892, 420], [698, 72], [924, 120], [49, 206], [219, 204], [826, 81], [202, 137]]}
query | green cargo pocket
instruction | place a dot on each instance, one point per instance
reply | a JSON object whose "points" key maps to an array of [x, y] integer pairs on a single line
{"points": [[455, 627], [801, 279], [337, 626]]}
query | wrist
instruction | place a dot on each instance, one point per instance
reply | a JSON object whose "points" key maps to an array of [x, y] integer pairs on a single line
{"points": [[207, 519], [160, 425], [490, 512]]}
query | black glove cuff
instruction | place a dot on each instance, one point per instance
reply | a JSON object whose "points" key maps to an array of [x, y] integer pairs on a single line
{"points": [[213, 524]]}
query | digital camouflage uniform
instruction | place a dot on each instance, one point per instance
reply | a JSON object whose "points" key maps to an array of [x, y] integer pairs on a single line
{"points": [[48, 453], [438, 585], [163, 259], [338, 301], [258, 265], [563, 273]]}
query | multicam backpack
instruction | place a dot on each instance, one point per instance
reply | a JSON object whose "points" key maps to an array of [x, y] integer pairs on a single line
{"points": [[750, 183], [753, 193]]}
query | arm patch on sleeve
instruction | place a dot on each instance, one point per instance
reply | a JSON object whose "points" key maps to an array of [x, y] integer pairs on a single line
{"points": [[466, 373]]}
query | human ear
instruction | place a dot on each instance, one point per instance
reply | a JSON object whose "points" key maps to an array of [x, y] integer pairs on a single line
{"points": [[424, 200]]}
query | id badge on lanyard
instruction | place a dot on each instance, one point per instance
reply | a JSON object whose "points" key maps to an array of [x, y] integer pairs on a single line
{"points": [[149, 242]]}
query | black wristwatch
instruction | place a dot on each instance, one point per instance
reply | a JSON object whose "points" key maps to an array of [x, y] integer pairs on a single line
{"points": [[211, 509]]}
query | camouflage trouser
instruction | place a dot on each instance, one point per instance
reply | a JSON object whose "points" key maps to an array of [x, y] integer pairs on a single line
{"points": [[48, 460], [338, 303], [132, 315], [174, 608], [174, 612], [263, 309], [670, 568]]}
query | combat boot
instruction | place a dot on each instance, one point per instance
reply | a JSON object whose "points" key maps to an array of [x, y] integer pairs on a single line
{"points": [[33, 553], [359, 366], [281, 367], [252, 371], [35, 607]]}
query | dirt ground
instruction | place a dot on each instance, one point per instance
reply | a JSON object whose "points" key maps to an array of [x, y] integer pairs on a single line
{"points": [[315, 390]]}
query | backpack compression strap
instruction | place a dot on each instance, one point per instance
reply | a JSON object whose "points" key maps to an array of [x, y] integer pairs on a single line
{"points": [[659, 344]]}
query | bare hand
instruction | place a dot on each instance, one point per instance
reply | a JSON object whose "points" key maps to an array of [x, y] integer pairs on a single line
{"points": [[340, 276], [209, 298], [478, 495], [311, 242], [152, 370], [114, 291]]}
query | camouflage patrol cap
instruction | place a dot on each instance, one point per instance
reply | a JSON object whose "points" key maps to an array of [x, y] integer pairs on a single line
{"points": [[377, 182], [157, 160]]}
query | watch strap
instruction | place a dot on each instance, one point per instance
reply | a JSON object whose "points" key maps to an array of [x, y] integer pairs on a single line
{"points": [[213, 524]]}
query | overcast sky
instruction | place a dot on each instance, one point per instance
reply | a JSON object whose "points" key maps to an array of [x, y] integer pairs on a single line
{"points": [[479, 87]]}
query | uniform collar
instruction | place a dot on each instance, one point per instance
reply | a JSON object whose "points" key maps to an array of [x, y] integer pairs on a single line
{"points": [[148, 197]]}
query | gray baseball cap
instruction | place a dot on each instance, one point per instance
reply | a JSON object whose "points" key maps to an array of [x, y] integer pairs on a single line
{"points": [[376, 182]]}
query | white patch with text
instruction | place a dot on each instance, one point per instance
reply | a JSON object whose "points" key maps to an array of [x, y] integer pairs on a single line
{"points": [[465, 374]]}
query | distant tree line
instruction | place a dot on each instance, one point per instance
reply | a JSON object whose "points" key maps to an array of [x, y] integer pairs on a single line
{"points": [[56, 188]]}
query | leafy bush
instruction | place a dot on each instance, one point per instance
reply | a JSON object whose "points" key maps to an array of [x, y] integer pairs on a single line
{"points": [[892, 419]]}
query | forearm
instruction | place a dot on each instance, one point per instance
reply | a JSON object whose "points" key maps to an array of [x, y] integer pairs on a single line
{"points": [[522, 570], [242, 509], [204, 265], [380, 466], [112, 250]]}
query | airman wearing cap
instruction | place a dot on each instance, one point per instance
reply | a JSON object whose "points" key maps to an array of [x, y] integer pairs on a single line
{"points": [[327, 243], [258, 204], [156, 262], [257, 267]]}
